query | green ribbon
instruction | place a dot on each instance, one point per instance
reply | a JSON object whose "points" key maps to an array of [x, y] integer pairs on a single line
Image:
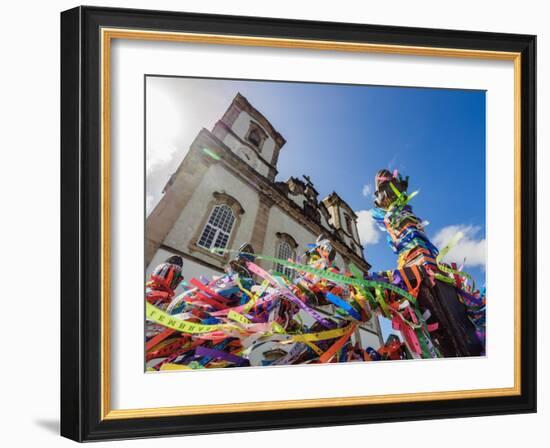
{"points": [[449, 270], [332, 276]]}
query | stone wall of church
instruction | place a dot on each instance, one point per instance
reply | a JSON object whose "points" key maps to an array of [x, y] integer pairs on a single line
{"points": [[354, 233], [279, 221], [191, 269], [190, 222], [324, 221], [351, 239]]}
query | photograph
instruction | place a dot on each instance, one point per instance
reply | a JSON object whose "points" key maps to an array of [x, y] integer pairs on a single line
{"points": [[292, 223], [281, 223]]}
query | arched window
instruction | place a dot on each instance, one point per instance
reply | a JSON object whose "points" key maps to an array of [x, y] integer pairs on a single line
{"points": [[256, 135], [255, 138], [284, 252], [217, 229], [349, 225]]}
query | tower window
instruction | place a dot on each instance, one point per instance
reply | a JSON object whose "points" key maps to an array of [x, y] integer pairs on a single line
{"points": [[254, 138], [256, 135], [218, 228], [349, 225]]}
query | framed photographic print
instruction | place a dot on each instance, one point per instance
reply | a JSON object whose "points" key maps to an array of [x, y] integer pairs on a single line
{"points": [[272, 223]]}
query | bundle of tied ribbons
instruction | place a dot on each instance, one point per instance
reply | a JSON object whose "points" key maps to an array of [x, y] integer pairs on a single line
{"points": [[249, 316], [407, 238]]}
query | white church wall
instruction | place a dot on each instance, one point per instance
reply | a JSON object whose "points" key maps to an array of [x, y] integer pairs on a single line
{"points": [[343, 221], [242, 124], [324, 221], [238, 148], [279, 221], [232, 142], [216, 179], [268, 148], [190, 270]]}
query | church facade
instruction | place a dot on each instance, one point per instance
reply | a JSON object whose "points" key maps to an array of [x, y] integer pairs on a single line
{"points": [[225, 193]]}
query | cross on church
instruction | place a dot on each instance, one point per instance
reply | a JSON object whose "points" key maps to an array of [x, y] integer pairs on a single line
{"points": [[308, 180]]}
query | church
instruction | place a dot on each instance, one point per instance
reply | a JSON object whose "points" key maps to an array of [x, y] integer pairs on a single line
{"points": [[225, 193]]}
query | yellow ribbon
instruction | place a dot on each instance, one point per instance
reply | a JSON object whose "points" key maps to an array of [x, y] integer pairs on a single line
{"points": [[161, 317], [233, 315]]}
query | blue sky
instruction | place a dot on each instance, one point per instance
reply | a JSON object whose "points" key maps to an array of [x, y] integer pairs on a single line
{"points": [[341, 135]]}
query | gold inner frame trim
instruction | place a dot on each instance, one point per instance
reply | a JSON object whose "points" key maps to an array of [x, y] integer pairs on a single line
{"points": [[107, 35]]}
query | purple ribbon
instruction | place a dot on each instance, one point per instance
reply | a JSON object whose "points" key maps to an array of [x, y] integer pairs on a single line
{"points": [[220, 354], [308, 310]]}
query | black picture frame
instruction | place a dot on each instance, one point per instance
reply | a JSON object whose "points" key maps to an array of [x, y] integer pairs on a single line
{"points": [[81, 224]]}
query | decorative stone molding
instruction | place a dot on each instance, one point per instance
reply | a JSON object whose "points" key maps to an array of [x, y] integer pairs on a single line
{"points": [[218, 198], [256, 135], [224, 198], [287, 238]]}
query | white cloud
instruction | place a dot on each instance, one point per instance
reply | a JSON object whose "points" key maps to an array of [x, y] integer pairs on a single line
{"points": [[367, 190], [470, 247], [158, 171], [366, 226], [177, 109]]}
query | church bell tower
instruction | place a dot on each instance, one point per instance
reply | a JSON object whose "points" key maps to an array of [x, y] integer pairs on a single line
{"points": [[250, 136], [344, 220]]}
